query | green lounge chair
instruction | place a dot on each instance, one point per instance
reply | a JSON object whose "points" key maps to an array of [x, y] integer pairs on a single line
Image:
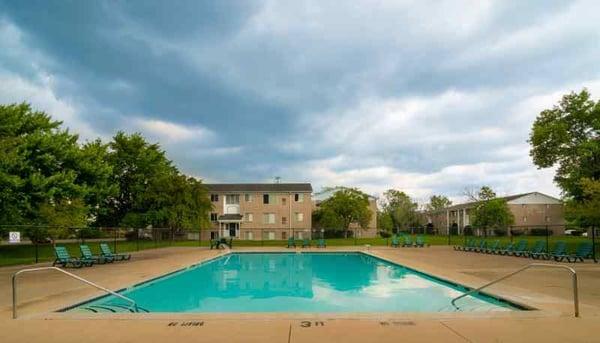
{"points": [[321, 243], [64, 259], [520, 249], [306, 243], [408, 242], [482, 246], [538, 248], [476, 246], [506, 250], [215, 243], [493, 247], [291, 242], [559, 252], [106, 252], [86, 253], [420, 242], [468, 244], [395, 242], [584, 250]]}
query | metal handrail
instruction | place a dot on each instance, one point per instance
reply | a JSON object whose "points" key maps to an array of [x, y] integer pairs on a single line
{"points": [[14, 286], [573, 273]]}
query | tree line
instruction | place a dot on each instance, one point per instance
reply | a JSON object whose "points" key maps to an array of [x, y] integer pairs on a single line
{"points": [[49, 177]]}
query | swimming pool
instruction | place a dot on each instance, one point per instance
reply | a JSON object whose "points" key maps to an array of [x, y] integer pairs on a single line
{"points": [[296, 282]]}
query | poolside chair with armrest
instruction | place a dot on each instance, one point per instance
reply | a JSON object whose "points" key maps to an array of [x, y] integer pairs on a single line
{"points": [[538, 248], [215, 243], [106, 252], [64, 259], [408, 242], [520, 249], [306, 243], [481, 247], [584, 250], [506, 250], [420, 242], [492, 247], [468, 244], [558, 254], [321, 243], [291, 242], [395, 242], [86, 253]]}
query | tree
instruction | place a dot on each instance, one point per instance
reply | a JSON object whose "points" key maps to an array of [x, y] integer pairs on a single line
{"points": [[344, 207], [384, 222], [401, 209], [437, 203], [586, 213], [568, 137], [491, 212]]}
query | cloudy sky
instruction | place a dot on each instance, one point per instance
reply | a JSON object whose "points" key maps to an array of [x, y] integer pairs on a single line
{"points": [[428, 98]]}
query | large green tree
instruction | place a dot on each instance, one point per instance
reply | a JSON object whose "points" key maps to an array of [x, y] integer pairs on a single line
{"points": [[567, 136], [344, 207], [402, 210], [491, 212]]}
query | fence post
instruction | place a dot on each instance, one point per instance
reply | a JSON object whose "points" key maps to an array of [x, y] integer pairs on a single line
{"points": [[547, 243], [137, 239], [115, 241], [594, 243], [36, 248], [354, 234]]}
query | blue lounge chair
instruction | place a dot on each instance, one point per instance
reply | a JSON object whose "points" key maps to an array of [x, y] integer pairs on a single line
{"points": [[395, 242], [291, 242], [321, 243], [508, 249], [584, 250], [493, 247], [520, 249], [558, 254], [106, 252], [468, 244], [538, 248], [86, 253], [64, 259], [306, 243], [408, 242], [420, 242]]}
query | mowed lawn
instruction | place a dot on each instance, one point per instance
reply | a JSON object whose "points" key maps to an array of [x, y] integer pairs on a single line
{"points": [[25, 253]]}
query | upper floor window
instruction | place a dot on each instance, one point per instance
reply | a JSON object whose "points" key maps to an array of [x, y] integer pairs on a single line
{"points": [[525, 219], [248, 197], [299, 216], [214, 197], [232, 199], [214, 217], [249, 217], [269, 218], [547, 219], [283, 200], [283, 220], [266, 199], [299, 197]]}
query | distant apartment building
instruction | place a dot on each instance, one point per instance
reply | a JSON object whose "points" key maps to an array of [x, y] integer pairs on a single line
{"points": [[260, 211], [530, 210], [370, 230]]}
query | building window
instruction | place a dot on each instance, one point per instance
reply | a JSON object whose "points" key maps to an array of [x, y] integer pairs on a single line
{"points": [[283, 200], [232, 199], [248, 197], [525, 219], [248, 217], [299, 216], [283, 235], [269, 218], [299, 197], [271, 235], [266, 199], [249, 235], [283, 220], [214, 197], [547, 219], [214, 217]]}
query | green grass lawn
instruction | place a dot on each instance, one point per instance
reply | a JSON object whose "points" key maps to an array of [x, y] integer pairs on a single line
{"points": [[25, 254]]}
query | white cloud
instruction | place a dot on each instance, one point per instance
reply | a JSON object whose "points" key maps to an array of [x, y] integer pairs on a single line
{"points": [[170, 132]]}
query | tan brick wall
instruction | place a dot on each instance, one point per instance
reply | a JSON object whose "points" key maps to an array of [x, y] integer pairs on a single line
{"points": [[282, 205]]}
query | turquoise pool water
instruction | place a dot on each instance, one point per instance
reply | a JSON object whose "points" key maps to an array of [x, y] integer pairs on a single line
{"points": [[292, 282]]}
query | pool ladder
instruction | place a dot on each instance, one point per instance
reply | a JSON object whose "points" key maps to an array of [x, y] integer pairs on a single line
{"points": [[531, 265], [14, 287]]}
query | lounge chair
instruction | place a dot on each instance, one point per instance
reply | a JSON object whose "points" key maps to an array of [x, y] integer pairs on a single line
{"points": [[538, 248], [508, 249], [306, 243], [86, 253], [584, 250], [408, 242], [395, 242], [558, 254], [64, 259], [321, 243], [520, 249], [493, 247], [106, 252], [420, 242], [215, 243], [291, 242], [481, 247], [468, 244]]}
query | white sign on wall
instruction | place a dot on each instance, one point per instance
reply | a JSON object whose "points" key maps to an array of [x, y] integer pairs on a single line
{"points": [[14, 237]]}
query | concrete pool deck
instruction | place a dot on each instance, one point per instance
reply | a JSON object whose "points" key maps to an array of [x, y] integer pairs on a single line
{"points": [[548, 290]]}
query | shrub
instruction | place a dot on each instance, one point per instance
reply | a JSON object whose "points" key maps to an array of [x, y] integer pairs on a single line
{"points": [[539, 232], [385, 234], [516, 232], [500, 232], [88, 233]]}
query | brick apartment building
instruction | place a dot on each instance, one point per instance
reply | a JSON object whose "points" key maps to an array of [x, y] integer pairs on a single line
{"points": [[255, 211], [530, 210]]}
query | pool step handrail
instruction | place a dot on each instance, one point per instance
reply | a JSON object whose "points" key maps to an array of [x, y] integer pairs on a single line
{"points": [[14, 286], [531, 265]]}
